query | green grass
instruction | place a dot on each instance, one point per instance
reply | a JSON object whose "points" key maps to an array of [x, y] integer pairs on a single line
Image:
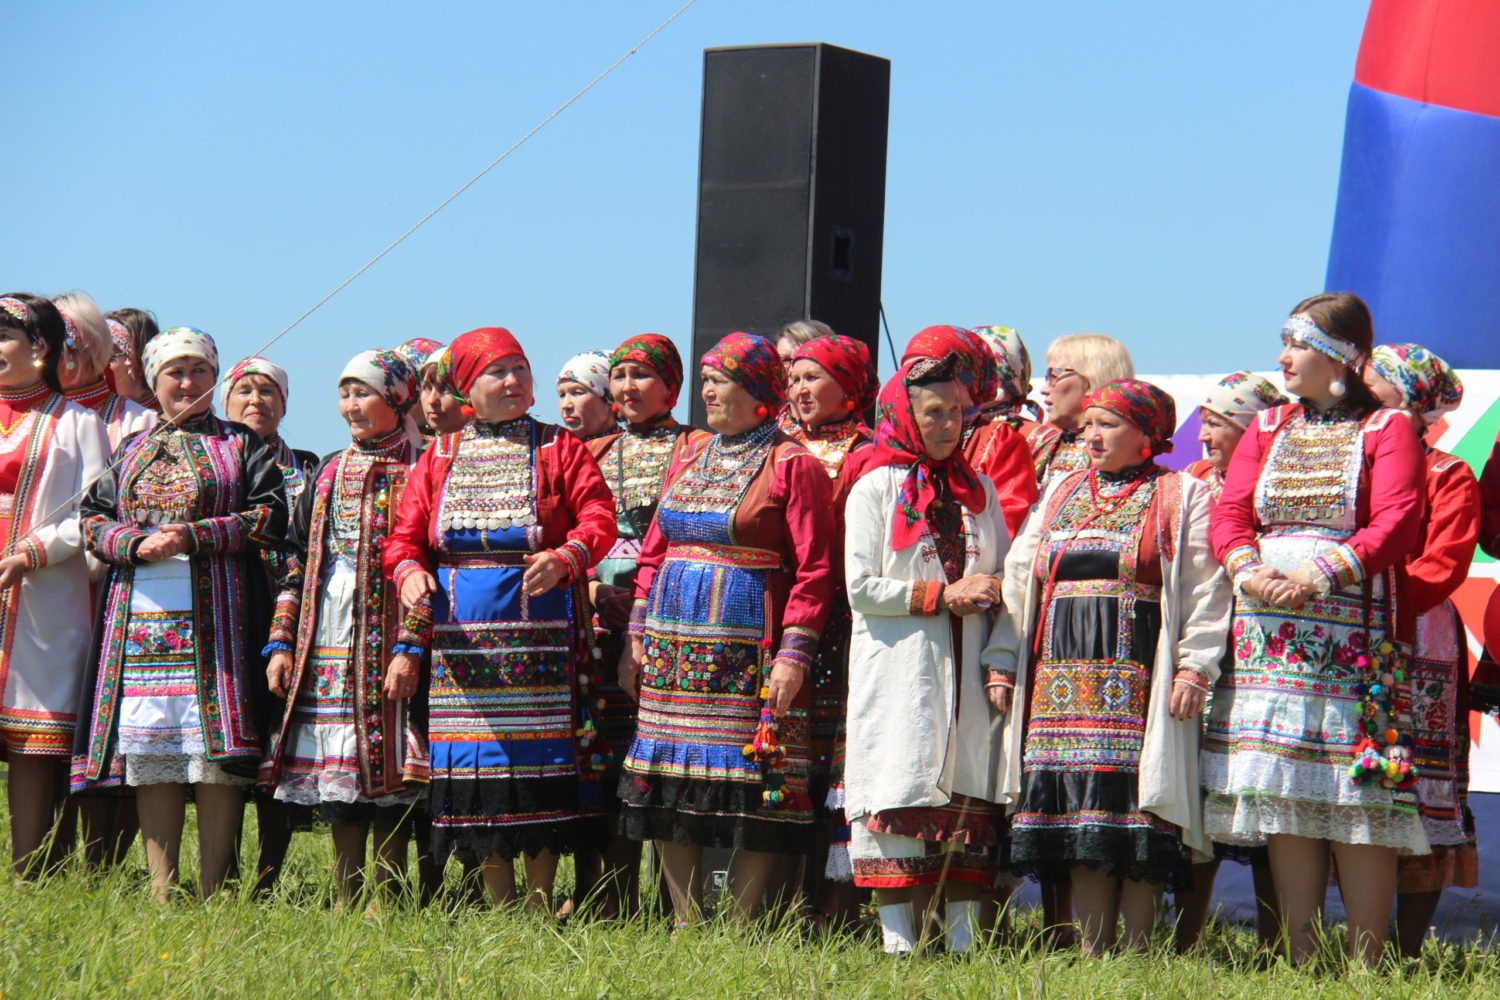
{"points": [[75, 935]]}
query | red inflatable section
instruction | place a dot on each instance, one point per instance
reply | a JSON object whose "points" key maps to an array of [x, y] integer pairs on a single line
{"points": [[1440, 52]]}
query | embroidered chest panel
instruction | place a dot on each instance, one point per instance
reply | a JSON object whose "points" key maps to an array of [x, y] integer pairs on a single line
{"points": [[637, 469], [716, 482], [1312, 473], [1110, 522], [491, 484], [162, 482]]}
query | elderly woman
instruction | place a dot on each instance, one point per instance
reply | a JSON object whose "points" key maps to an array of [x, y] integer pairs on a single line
{"points": [[87, 349], [931, 746], [254, 393], [51, 450], [130, 330], [1116, 598], [732, 590], [181, 519], [990, 445], [645, 376], [583, 399], [831, 383], [1308, 744], [795, 334], [499, 524], [1076, 365], [341, 651], [1013, 369], [1225, 415], [1409, 377]]}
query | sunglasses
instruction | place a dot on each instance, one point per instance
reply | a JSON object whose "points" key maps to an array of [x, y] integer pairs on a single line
{"points": [[1056, 375]]}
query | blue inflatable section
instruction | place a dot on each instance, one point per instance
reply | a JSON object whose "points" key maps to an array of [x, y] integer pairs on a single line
{"points": [[1417, 229]]}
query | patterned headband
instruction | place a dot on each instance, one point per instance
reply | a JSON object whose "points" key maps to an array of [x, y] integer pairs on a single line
{"points": [[19, 311], [71, 340], [1303, 330]]}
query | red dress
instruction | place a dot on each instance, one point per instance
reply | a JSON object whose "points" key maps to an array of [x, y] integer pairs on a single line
{"points": [[996, 450], [1440, 688]]}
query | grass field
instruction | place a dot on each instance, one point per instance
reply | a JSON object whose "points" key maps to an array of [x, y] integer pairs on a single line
{"points": [[73, 935]]}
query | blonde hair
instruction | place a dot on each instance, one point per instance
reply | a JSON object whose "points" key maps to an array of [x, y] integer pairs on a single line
{"points": [[803, 330], [1098, 358], [89, 321]]}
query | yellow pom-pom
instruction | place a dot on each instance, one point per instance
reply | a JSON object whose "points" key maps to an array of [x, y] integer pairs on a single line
{"points": [[765, 693], [749, 750]]}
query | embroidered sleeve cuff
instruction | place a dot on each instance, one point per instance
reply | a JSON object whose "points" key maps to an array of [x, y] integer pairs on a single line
{"points": [[1339, 567], [923, 599], [113, 542], [800, 644], [284, 618], [638, 617], [217, 535], [36, 554], [1000, 679], [1192, 678], [404, 569], [576, 555], [415, 632]]}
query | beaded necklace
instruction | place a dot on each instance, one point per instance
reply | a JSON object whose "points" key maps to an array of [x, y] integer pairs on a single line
{"points": [[720, 476]]}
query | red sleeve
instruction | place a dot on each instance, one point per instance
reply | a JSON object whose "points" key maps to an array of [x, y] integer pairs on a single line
{"points": [[1452, 529], [1489, 504], [1397, 497], [1009, 466], [806, 495], [582, 528], [1232, 525], [406, 548]]}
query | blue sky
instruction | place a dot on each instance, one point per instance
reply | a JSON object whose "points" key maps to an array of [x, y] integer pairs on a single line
{"points": [[1162, 172]]}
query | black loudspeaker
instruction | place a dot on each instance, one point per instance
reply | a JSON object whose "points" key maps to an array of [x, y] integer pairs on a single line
{"points": [[791, 193]]}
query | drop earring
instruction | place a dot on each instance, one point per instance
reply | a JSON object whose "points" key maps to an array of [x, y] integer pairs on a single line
{"points": [[1337, 388]]}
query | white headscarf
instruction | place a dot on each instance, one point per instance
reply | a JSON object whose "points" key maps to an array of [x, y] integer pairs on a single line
{"points": [[590, 370], [254, 366], [392, 378], [178, 342]]}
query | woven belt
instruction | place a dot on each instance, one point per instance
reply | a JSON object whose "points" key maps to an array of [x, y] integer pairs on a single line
{"points": [[489, 560], [739, 556]]}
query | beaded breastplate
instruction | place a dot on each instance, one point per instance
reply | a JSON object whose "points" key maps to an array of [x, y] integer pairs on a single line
{"points": [[830, 443], [165, 489], [1312, 471], [639, 469], [1105, 518], [717, 480], [492, 483]]}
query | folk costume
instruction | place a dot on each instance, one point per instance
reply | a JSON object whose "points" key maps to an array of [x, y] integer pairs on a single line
{"points": [[503, 704], [734, 574], [930, 762], [122, 417], [49, 450], [1115, 596], [170, 698], [635, 463], [340, 744], [990, 445], [1237, 397], [1440, 661], [843, 448], [1291, 743]]}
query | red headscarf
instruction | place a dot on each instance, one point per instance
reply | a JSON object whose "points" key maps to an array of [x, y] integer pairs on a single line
{"points": [[1147, 408], [847, 361], [475, 351], [751, 362], [976, 362], [657, 353], [898, 441]]}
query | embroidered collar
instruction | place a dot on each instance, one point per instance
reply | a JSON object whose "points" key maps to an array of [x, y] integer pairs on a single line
{"points": [[646, 427], [387, 442], [25, 397], [1127, 474], [94, 395], [1339, 410]]}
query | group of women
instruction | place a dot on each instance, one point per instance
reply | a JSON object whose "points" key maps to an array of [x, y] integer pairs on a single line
{"points": [[973, 643]]}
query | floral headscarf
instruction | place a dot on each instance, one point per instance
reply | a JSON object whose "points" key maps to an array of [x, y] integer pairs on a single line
{"points": [[898, 441], [391, 377], [590, 370], [751, 362], [659, 354], [1427, 383], [475, 351], [254, 366], [847, 361], [417, 351], [1012, 362], [976, 362], [1240, 395], [178, 342], [1146, 407]]}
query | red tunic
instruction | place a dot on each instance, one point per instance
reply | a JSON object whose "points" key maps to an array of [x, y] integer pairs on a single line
{"points": [[996, 450], [1489, 504], [574, 507], [1445, 546]]}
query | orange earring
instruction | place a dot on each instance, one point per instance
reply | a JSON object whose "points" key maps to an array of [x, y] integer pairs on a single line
{"points": [[763, 411], [1145, 452]]}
